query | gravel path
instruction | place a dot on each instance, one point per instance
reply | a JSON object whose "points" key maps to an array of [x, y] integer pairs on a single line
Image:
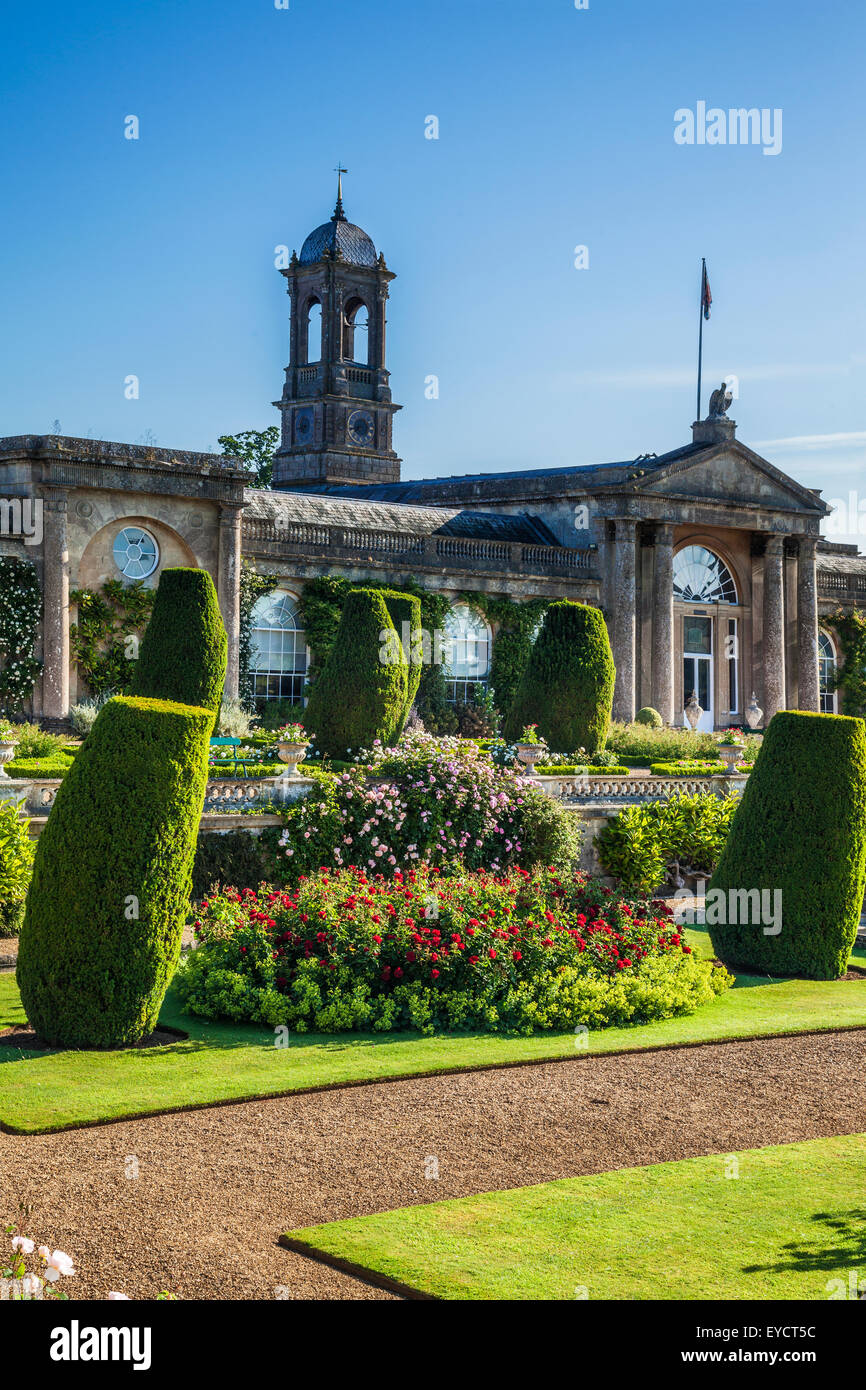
{"points": [[215, 1188]]}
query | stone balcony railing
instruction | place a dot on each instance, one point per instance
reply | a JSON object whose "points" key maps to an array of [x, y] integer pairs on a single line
{"points": [[628, 790], [383, 546], [842, 589]]}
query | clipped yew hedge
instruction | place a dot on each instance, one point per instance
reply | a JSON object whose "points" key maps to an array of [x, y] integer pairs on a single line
{"points": [[567, 685], [406, 608], [800, 829], [111, 879], [184, 649], [361, 692]]}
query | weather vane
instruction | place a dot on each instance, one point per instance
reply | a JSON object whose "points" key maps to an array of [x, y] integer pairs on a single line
{"points": [[340, 171]]}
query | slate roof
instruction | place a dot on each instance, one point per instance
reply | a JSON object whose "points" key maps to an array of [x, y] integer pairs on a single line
{"points": [[352, 242], [588, 474], [308, 506]]}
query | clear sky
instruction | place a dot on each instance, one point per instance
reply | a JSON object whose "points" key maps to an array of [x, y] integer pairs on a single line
{"points": [[155, 257]]}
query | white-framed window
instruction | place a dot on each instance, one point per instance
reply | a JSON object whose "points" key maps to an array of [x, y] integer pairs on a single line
{"points": [[826, 672], [470, 642], [136, 552], [701, 577], [278, 649]]}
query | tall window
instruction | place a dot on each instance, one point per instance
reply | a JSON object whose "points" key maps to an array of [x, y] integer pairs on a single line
{"points": [[701, 577], [311, 350], [356, 346], [278, 654], [826, 672], [469, 658]]}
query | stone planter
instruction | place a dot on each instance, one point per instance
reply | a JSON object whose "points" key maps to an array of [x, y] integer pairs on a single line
{"points": [[731, 754], [292, 754], [7, 753], [529, 753]]}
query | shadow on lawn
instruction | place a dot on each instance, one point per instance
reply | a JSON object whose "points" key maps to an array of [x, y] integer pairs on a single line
{"points": [[842, 1244]]}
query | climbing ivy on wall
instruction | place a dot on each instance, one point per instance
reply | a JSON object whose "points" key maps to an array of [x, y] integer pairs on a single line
{"points": [[20, 612], [321, 604], [516, 622], [850, 678], [322, 601], [101, 641]]}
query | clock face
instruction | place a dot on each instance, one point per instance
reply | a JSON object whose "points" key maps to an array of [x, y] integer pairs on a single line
{"points": [[361, 428], [304, 425]]}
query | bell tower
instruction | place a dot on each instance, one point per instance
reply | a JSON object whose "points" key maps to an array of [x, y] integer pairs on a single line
{"points": [[336, 405]]}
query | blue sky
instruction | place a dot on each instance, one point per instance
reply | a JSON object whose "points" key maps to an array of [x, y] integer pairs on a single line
{"points": [[155, 257]]}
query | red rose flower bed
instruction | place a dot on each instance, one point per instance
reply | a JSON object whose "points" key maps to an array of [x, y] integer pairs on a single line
{"points": [[520, 953]]}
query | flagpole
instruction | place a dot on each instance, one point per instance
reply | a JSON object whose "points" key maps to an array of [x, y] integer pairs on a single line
{"points": [[701, 331]]}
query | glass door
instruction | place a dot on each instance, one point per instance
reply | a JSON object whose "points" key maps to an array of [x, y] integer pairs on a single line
{"points": [[698, 667]]}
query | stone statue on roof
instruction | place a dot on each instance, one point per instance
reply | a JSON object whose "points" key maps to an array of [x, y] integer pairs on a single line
{"points": [[720, 400]]}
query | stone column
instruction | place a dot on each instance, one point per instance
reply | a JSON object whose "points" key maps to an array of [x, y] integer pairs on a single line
{"points": [[807, 626], [663, 624], [774, 629], [625, 605], [55, 605], [229, 589]]}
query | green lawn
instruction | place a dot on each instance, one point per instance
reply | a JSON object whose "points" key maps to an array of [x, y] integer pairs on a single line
{"points": [[223, 1062], [791, 1221]]}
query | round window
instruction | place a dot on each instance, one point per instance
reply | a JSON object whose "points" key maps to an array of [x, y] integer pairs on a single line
{"points": [[136, 553]]}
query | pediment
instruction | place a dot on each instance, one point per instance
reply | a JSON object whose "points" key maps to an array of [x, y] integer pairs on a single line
{"points": [[730, 473]]}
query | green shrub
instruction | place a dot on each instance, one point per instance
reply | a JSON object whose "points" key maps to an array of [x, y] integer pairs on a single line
{"points": [[800, 830], [37, 768], [273, 714], [111, 879], [234, 720], [646, 845], [567, 685], [360, 694], [656, 745], [562, 770], [607, 771], [521, 953], [16, 867], [35, 742], [406, 608], [604, 757], [650, 717], [688, 767], [183, 651], [239, 858], [83, 715], [547, 831]]}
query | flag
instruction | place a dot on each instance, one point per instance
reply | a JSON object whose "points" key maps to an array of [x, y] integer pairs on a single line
{"points": [[706, 293]]}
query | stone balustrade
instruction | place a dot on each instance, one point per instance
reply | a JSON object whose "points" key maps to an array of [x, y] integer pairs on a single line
{"points": [[461, 553]]}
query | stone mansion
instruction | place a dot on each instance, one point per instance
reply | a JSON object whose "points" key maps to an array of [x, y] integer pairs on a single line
{"points": [[705, 560]]}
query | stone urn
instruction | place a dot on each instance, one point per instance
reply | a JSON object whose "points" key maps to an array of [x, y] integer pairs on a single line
{"points": [[292, 754], [7, 752], [731, 754], [529, 753]]}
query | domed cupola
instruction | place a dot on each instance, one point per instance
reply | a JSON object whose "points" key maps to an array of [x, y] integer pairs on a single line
{"points": [[341, 238]]}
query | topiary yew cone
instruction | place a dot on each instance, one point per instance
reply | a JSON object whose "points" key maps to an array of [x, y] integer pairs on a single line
{"points": [[184, 649], [111, 879], [361, 692], [800, 831], [567, 684]]}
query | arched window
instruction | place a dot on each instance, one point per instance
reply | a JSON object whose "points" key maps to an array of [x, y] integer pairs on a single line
{"points": [[701, 577], [826, 672], [278, 649], [470, 641], [311, 349], [356, 347]]}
